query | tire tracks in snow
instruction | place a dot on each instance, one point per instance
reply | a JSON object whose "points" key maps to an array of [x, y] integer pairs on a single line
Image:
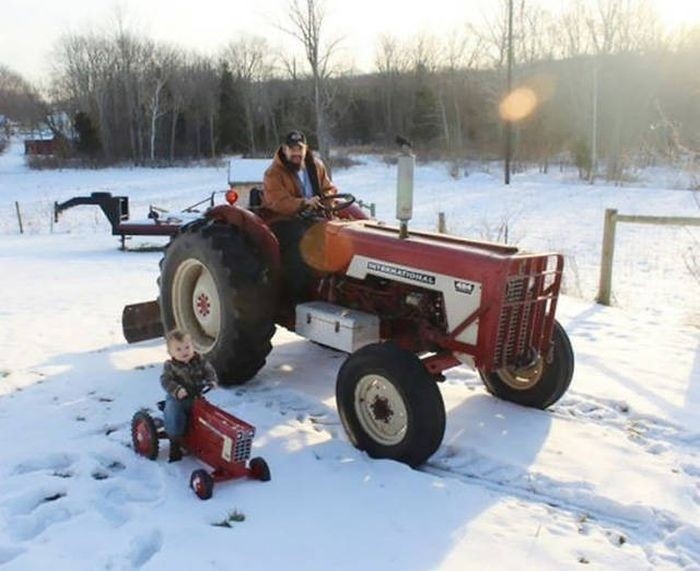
{"points": [[679, 540], [664, 538]]}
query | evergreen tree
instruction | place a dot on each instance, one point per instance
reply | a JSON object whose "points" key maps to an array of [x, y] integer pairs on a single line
{"points": [[425, 117], [88, 137], [232, 133]]}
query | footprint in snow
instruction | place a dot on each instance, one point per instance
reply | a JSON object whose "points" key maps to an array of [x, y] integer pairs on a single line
{"points": [[107, 467], [30, 526], [9, 552], [56, 462], [26, 502], [143, 548]]}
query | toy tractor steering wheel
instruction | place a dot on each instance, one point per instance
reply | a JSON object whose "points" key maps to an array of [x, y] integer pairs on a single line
{"points": [[205, 389]]}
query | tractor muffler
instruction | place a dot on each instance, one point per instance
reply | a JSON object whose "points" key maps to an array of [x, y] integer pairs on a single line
{"points": [[141, 321]]}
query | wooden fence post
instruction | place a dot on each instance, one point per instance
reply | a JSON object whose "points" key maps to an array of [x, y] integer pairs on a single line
{"points": [[606, 258], [442, 226], [19, 217]]}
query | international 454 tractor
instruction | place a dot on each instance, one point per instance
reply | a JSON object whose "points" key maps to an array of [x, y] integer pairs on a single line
{"points": [[406, 306]]}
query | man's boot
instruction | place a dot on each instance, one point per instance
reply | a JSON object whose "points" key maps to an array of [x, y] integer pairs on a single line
{"points": [[175, 450]]}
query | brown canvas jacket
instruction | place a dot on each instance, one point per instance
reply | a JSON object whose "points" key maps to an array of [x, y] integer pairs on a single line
{"points": [[282, 192]]}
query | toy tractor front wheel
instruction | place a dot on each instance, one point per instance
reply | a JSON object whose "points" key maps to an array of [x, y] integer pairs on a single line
{"points": [[259, 469], [540, 384], [215, 286], [144, 435], [390, 405], [202, 484]]}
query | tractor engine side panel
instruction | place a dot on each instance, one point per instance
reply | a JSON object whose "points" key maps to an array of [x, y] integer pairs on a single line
{"points": [[499, 303], [461, 297]]}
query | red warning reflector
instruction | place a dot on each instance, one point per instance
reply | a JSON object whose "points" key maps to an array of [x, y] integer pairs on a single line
{"points": [[231, 196]]}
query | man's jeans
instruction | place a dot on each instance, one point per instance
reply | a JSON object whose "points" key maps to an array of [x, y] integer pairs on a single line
{"points": [[297, 275]]}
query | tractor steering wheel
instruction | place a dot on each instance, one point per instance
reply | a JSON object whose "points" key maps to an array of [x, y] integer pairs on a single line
{"points": [[346, 200], [327, 207]]}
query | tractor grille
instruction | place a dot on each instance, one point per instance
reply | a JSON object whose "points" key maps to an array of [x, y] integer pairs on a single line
{"points": [[527, 313], [244, 444]]}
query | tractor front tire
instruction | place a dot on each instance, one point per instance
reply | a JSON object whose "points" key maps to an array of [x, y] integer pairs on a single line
{"points": [[543, 383], [215, 285], [390, 405]]}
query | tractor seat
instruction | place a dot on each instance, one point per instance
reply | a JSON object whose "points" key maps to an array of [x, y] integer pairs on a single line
{"points": [[255, 200]]}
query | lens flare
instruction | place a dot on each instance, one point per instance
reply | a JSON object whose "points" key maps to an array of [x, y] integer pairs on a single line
{"points": [[325, 249], [518, 104]]}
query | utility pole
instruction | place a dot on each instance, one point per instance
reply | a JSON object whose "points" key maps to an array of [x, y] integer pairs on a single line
{"points": [[594, 129], [509, 87]]}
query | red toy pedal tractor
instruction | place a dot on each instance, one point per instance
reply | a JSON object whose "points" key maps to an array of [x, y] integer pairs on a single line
{"points": [[216, 437]]}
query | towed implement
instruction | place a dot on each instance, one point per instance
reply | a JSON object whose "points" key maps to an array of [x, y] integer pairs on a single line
{"points": [[405, 306]]}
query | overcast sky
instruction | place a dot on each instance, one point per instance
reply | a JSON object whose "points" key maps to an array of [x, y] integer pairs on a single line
{"points": [[29, 28]]}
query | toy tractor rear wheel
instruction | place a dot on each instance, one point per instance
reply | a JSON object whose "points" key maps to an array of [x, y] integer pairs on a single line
{"points": [[259, 469], [215, 286], [144, 435], [202, 483], [540, 384], [390, 405]]}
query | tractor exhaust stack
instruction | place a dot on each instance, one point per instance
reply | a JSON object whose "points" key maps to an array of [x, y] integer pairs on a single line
{"points": [[404, 187]]}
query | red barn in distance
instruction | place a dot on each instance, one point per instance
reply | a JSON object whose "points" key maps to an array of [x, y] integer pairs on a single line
{"points": [[40, 146]]}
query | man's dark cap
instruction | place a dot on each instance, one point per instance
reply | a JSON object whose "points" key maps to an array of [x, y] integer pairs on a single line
{"points": [[295, 138]]}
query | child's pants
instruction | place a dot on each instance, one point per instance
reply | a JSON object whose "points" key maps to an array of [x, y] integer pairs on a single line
{"points": [[175, 415]]}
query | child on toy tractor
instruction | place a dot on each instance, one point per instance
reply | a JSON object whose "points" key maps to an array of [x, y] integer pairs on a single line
{"points": [[184, 377]]}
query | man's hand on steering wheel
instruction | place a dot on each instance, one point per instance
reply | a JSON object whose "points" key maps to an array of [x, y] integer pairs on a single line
{"points": [[326, 205], [313, 203]]}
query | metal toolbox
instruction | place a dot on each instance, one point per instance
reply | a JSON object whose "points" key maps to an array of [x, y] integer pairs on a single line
{"points": [[335, 326]]}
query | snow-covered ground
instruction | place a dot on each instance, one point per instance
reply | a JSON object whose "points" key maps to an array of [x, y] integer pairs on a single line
{"points": [[609, 476]]}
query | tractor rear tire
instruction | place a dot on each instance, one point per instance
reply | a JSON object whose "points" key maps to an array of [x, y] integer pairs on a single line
{"points": [[390, 405], [542, 384], [215, 285], [144, 435]]}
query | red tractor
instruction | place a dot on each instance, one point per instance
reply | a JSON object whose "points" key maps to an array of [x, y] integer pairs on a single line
{"points": [[214, 436], [406, 306]]}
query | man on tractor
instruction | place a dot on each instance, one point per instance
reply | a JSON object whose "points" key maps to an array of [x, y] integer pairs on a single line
{"points": [[293, 189]]}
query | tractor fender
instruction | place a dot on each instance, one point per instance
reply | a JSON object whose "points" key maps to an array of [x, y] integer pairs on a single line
{"points": [[253, 227]]}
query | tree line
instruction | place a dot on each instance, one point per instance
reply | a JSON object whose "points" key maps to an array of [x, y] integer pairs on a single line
{"points": [[602, 74]]}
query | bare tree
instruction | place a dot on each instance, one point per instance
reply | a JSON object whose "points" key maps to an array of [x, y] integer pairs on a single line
{"points": [[462, 52], [19, 100], [85, 73], [622, 26], [391, 62], [159, 72], [249, 59], [307, 19], [201, 95]]}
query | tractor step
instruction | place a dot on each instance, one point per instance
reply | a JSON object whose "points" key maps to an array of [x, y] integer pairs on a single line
{"points": [[141, 321]]}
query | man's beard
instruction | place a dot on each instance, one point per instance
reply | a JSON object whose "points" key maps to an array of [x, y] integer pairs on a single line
{"points": [[293, 165]]}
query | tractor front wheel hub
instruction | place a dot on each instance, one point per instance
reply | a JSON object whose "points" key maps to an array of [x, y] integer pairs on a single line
{"points": [[381, 409]]}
